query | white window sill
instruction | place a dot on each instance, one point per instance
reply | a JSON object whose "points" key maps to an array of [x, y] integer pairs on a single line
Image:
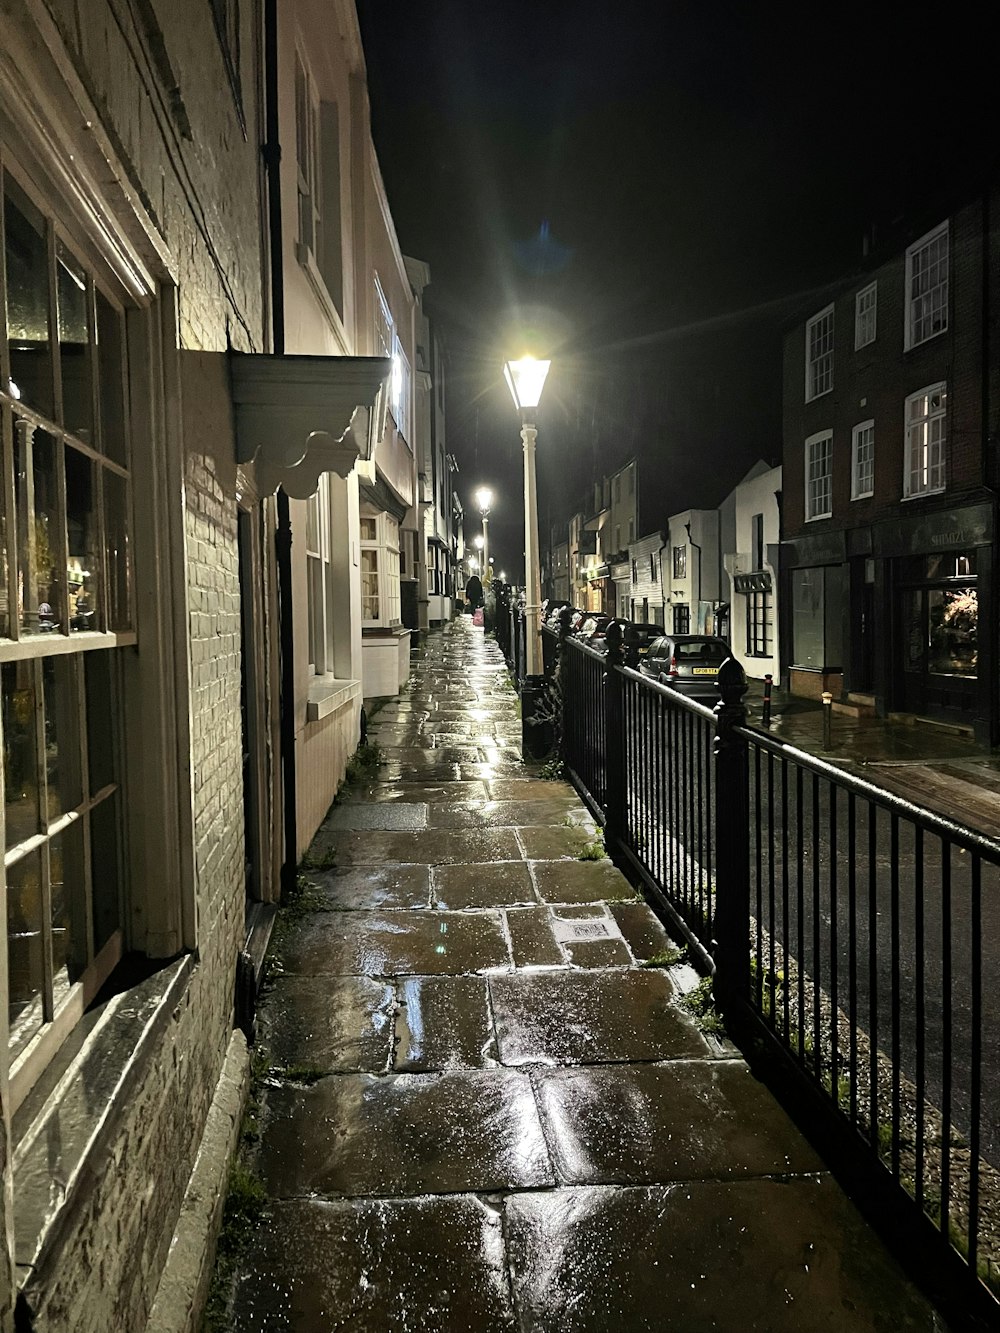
{"points": [[912, 346], [812, 397], [818, 518], [863, 495], [920, 495], [327, 694]]}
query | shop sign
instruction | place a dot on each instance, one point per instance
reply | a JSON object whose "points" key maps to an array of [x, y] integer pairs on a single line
{"points": [[945, 530]]}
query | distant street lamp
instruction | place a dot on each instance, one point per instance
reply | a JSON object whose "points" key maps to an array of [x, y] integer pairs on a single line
{"points": [[484, 500], [526, 379]]}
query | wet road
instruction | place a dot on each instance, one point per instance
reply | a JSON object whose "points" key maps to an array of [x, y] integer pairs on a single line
{"points": [[483, 1112]]}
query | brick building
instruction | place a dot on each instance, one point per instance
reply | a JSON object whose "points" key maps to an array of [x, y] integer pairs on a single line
{"points": [[207, 344], [888, 510]]}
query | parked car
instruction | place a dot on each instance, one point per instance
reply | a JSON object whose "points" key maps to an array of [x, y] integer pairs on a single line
{"points": [[552, 612], [688, 663], [591, 627], [645, 634]]}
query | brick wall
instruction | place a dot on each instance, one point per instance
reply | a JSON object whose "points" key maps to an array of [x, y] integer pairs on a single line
{"points": [[874, 382]]}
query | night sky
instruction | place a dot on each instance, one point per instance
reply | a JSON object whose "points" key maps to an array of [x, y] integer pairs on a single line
{"points": [[649, 193]]}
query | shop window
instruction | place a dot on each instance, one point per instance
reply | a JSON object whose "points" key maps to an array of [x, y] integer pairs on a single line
{"points": [[817, 608], [65, 594]]}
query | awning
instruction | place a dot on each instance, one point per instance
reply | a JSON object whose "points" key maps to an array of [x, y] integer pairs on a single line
{"points": [[300, 416]]}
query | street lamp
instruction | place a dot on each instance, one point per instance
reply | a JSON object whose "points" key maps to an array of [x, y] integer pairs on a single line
{"points": [[526, 379], [484, 500]]}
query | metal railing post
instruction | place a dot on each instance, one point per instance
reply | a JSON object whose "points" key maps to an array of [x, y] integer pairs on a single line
{"points": [[616, 775], [765, 716], [731, 919]]}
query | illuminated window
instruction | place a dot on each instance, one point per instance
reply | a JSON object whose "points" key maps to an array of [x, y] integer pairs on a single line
{"points": [[65, 612], [680, 562], [819, 475], [819, 354], [864, 316], [319, 580], [862, 460], [926, 434], [927, 287], [387, 344], [317, 161]]}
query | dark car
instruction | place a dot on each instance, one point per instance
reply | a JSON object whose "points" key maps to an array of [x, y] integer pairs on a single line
{"points": [[644, 634], [688, 663]]}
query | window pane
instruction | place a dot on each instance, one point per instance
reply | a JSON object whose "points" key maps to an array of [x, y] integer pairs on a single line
{"points": [[26, 254], [62, 734], [74, 345], [953, 630], [807, 618], [110, 366], [20, 756], [100, 720], [84, 572], [38, 538], [119, 572], [369, 585], [24, 949], [104, 827], [69, 908]]}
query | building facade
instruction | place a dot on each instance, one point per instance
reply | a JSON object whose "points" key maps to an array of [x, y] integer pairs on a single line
{"points": [[888, 502], [751, 566], [692, 573], [646, 582]]}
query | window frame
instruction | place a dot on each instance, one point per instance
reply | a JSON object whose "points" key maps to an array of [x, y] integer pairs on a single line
{"points": [[926, 298], [824, 357], [680, 562], [27, 649], [857, 493], [927, 421], [682, 618], [863, 316], [760, 624], [386, 571], [822, 437]]}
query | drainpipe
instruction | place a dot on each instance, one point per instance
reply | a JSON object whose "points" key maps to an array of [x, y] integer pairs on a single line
{"points": [[283, 535], [687, 527]]}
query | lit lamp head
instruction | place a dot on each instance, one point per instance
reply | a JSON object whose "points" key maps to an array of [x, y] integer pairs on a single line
{"points": [[526, 380], [477, 543], [484, 500]]}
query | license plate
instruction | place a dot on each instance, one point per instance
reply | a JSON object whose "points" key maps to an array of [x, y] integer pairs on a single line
{"points": [[703, 671]]}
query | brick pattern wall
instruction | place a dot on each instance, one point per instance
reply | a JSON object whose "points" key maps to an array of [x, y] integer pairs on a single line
{"points": [[199, 185], [873, 383]]}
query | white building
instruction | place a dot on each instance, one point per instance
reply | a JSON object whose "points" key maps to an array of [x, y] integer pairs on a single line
{"points": [[646, 586], [692, 573], [752, 571]]}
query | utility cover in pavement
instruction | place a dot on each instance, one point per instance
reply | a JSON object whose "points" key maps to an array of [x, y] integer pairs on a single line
{"points": [[590, 928]]}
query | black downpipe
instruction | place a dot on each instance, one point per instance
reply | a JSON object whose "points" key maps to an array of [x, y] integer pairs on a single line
{"points": [[283, 535]]}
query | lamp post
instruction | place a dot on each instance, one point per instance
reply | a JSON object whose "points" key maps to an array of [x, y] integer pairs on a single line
{"points": [[526, 379], [484, 500]]}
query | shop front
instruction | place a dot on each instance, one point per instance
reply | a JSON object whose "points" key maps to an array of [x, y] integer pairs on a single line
{"points": [[938, 569], [817, 591]]}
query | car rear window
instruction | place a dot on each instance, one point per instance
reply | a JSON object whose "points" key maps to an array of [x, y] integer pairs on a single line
{"points": [[705, 650]]}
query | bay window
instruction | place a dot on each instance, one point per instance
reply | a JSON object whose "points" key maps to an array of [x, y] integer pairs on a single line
{"points": [[380, 599]]}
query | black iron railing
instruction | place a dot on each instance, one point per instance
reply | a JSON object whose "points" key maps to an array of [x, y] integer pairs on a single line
{"points": [[853, 934]]}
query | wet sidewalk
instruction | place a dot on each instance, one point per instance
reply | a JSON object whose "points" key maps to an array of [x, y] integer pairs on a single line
{"points": [[487, 1109]]}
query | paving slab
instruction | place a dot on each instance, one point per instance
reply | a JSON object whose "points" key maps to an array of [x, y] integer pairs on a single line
{"points": [[424, 1265], [529, 789], [400, 817], [397, 943], [552, 1018], [431, 847], [372, 887], [496, 885], [642, 930], [419, 792], [508, 814], [581, 882], [686, 1120], [344, 1025], [532, 939], [444, 1023], [401, 1134], [777, 1256]]}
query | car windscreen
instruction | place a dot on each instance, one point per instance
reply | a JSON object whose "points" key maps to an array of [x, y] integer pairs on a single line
{"points": [[702, 650]]}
